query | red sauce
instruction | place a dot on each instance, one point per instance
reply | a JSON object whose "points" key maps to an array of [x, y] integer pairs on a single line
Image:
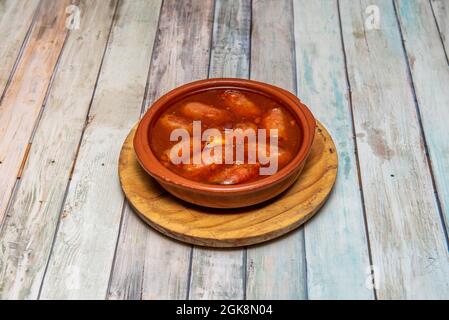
{"points": [[225, 109]]}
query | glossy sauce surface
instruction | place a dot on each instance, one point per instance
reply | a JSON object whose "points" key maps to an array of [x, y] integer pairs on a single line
{"points": [[225, 109]]}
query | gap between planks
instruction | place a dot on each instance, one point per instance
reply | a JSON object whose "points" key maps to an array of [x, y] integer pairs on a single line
{"points": [[401, 225], [22, 84], [441, 33], [22, 46], [111, 117], [35, 212], [138, 267], [86, 123], [126, 205], [414, 84], [359, 176]]}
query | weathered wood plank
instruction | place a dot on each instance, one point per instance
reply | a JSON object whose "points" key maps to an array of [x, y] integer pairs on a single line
{"points": [[430, 74], [27, 234], [231, 39], [407, 242], [219, 274], [441, 11], [275, 270], [16, 18], [83, 252], [158, 267], [23, 99], [336, 242], [129, 265]]}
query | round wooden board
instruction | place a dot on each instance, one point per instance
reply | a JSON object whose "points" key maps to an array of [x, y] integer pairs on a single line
{"points": [[231, 227]]}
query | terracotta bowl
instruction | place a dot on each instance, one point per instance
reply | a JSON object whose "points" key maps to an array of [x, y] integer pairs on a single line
{"points": [[225, 196]]}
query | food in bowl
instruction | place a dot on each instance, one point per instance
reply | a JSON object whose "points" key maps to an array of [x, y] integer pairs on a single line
{"points": [[198, 168], [242, 122]]}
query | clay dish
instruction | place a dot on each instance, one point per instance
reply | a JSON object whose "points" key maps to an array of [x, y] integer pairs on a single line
{"points": [[225, 196]]}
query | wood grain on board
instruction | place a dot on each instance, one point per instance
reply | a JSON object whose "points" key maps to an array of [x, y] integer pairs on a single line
{"points": [[16, 18], [28, 231], [430, 75], [158, 268], [82, 256], [212, 227], [409, 251], [23, 100], [336, 243], [219, 274], [275, 270]]}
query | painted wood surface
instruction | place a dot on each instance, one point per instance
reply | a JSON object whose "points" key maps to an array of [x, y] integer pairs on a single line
{"points": [[441, 12], [16, 19], [428, 65], [83, 252], [220, 274], [159, 267], [276, 270], [386, 70], [407, 242], [28, 232], [23, 100], [231, 39], [335, 240]]}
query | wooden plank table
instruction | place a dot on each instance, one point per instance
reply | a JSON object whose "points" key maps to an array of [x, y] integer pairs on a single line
{"points": [[75, 76]]}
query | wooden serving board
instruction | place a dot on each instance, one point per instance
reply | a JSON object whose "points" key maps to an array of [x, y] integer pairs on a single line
{"points": [[231, 227]]}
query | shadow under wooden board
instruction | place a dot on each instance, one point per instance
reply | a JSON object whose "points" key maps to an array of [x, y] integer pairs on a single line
{"points": [[231, 227]]}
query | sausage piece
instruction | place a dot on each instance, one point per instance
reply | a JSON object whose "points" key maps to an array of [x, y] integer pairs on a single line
{"points": [[204, 112], [276, 119], [284, 156], [238, 103], [197, 171], [171, 122], [246, 125], [180, 146], [237, 173]]}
